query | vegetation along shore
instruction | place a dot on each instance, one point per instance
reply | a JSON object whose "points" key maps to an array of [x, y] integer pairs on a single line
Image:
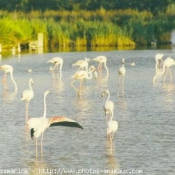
{"points": [[99, 27]]}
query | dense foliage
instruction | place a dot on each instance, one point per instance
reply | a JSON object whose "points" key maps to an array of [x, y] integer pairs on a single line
{"points": [[154, 6], [71, 25]]}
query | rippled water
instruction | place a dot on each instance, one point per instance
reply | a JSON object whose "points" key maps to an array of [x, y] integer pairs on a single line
{"points": [[145, 137]]}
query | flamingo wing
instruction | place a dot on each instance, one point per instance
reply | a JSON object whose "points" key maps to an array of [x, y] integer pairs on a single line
{"points": [[63, 121]]}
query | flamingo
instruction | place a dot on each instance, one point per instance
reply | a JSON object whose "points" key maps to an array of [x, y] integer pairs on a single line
{"points": [[166, 67], [82, 75], [82, 64], [121, 74], [101, 60], [159, 60], [57, 61], [133, 64], [109, 105], [39, 125], [8, 69], [27, 95]]}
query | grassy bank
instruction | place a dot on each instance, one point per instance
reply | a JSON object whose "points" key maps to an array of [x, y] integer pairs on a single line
{"points": [[85, 28]]}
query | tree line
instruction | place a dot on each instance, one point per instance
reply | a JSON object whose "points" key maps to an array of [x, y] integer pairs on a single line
{"points": [[154, 6]]}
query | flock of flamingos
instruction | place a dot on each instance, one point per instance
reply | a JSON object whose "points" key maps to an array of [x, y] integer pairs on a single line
{"points": [[38, 125]]}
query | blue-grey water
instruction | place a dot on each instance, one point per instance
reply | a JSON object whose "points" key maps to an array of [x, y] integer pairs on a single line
{"points": [[144, 140]]}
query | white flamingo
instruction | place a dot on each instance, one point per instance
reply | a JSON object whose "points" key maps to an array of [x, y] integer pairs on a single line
{"points": [[101, 60], [8, 69], [121, 74], [27, 95], [39, 125], [166, 67], [81, 75], [57, 61], [109, 105], [83, 64]]}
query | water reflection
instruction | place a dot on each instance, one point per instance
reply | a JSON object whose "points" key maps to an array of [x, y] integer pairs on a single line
{"points": [[8, 96], [112, 162]]}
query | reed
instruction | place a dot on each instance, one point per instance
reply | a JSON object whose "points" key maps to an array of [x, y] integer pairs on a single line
{"points": [[84, 28]]}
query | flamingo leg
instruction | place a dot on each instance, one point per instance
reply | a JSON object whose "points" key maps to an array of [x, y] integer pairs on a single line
{"points": [[27, 116], [119, 85], [165, 74], [171, 78], [74, 86], [80, 88], [36, 148], [42, 144], [123, 86]]}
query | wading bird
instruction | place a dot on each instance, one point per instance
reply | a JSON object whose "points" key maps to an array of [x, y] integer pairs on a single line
{"points": [[27, 95], [108, 105], [8, 69], [57, 61], [83, 64], [101, 60], [166, 67], [81, 75], [121, 74], [39, 125]]}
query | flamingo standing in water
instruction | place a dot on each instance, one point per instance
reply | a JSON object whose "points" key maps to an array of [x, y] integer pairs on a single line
{"points": [[57, 61], [82, 75], [8, 69], [83, 64], [101, 60], [39, 125], [121, 74], [166, 67], [109, 105], [27, 95]]}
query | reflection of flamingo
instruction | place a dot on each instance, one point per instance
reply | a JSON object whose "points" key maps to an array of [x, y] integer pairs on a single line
{"points": [[112, 128], [82, 64], [57, 61], [39, 125], [27, 95], [166, 67], [121, 74], [101, 60], [82, 75], [8, 69], [109, 105]]}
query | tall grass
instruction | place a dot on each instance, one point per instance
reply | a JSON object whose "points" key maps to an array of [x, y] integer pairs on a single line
{"points": [[85, 28]]}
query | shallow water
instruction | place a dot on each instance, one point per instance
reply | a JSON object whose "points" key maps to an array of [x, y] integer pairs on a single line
{"points": [[144, 140]]}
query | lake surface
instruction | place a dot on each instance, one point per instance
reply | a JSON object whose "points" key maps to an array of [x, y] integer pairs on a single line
{"points": [[144, 140]]}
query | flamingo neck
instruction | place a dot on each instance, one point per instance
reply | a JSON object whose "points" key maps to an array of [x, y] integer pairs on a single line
{"points": [[44, 115], [11, 75], [61, 65], [30, 85], [106, 67], [108, 97]]}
